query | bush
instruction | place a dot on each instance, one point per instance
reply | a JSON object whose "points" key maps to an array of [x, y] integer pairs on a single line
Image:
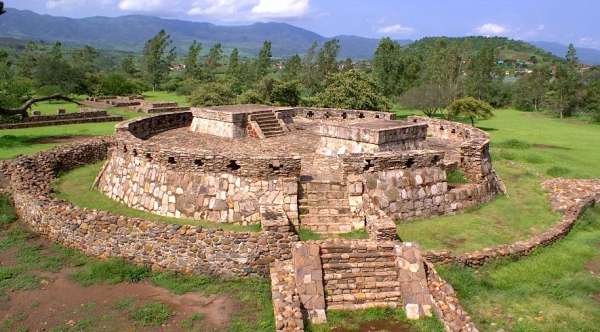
{"points": [[115, 84], [354, 90], [212, 94], [286, 93], [470, 108], [250, 97]]}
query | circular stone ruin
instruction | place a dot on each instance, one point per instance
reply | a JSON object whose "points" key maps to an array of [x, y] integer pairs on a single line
{"points": [[326, 170]]}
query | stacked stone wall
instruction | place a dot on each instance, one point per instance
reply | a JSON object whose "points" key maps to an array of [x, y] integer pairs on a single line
{"points": [[103, 234], [314, 113]]}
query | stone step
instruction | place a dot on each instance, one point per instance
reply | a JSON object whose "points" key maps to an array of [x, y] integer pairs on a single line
{"points": [[325, 202], [315, 219], [323, 210], [323, 195], [267, 120]]}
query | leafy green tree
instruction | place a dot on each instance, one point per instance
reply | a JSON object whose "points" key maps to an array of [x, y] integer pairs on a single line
{"points": [[428, 97], [530, 89], [310, 77], [214, 58], [443, 68], [286, 93], [212, 94], [192, 65], [572, 55], [233, 68], [471, 108], [327, 58], [592, 100], [129, 67], [116, 84], [481, 74], [263, 63], [53, 73], [564, 95], [352, 89], [292, 68], [157, 58], [388, 68], [28, 60], [250, 96]]}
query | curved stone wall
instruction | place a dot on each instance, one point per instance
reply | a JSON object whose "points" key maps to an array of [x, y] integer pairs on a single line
{"points": [[173, 182], [103, 234]]}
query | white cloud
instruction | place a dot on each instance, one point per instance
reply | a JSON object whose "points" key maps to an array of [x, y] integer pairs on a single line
{"points": [[281, 8], [145, 5], [219, 8], [248, 9], [395, 29], [491, 29], [66, 4]]}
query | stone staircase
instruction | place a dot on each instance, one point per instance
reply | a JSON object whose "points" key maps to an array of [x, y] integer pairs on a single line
{"points": [[268, 123], [323, 207]]}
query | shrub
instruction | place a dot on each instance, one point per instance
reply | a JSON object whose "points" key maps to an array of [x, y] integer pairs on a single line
{"points": [[212, 94], [456, 177], [352, 89], [115, 84], [250, 97], [286, 93], [470, 108]]}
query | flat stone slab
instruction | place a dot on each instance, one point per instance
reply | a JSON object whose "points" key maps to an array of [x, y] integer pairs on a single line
{"points": [[233, 113]]}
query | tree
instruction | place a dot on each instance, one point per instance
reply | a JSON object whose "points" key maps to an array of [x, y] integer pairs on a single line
{"points": [[310, 78], [292, 68], [116, 84], [212, 94], [233, 68], [572, 55], [192, 66], [592, 100], [22, 110], [128, 66], [530, 89], [54, 75], [327, 58], [444, 69], [388, 67], [215, 55], [28, 60], [352, 89], [470, 108], [564, 93], [157, 58], [481, 74], [428, 97], [263, 63]]}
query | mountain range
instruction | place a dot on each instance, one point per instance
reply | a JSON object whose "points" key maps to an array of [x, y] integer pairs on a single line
{"points": [[129, 33]]}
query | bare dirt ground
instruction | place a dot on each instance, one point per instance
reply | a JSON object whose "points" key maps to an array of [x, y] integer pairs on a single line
{"points": [[62, 304]]}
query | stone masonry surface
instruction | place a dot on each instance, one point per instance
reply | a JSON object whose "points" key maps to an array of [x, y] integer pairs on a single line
{"points": [[184, 248]]}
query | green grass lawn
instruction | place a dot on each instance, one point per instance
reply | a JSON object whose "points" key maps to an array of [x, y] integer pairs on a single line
{"points": [[526, 148], [74, 186], [166, 96], [551, 290], [26, 141]]}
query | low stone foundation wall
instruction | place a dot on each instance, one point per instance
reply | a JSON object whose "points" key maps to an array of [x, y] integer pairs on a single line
{"points": [[60, 119], [570, 197], [162, 246], [315, 113]]}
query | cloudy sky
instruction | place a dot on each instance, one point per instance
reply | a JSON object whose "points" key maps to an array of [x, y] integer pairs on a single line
{"points": [[549, 20]]}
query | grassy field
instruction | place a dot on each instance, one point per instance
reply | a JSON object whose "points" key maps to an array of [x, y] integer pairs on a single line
{"points": [[166, 96], [74, 186], [555, 289], [526, 148], [26, 141]]}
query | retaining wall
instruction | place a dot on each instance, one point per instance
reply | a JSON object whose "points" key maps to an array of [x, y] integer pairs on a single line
{"points": [[103, 234]]}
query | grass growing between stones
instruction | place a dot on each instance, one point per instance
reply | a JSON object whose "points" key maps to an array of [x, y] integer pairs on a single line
{"points": [[377, 319], [551, 290], [74, 186], [308, 235]]}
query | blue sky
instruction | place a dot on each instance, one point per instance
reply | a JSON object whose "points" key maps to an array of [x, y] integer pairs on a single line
{"points": [[548, 20]]}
